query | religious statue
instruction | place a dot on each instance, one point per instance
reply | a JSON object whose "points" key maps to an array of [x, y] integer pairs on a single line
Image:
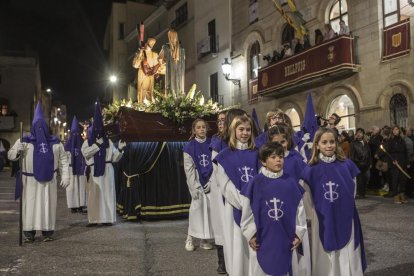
{"points": [[172, 58], [146, 61]]}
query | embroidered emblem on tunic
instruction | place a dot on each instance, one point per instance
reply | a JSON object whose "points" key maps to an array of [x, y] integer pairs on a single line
{"points": [[275, 209], [203, 160], [43, 148], [246, 173], [330, 189]]}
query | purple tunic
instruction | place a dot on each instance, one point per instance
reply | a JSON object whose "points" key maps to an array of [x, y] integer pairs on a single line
{"points": [[201, 155], [240, 166], [294, 165], [332, 188], [43, 158], [217, 144], [274, 202]]}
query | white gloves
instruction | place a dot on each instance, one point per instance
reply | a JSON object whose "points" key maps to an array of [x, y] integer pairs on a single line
{"points": [[207, 188], [196, 194], [99, 141], [121, 145], [306, 137], [20, 146], [64, 183]]}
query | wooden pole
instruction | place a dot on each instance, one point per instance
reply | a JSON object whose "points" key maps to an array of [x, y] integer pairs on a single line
{"points": [[21, 189]]}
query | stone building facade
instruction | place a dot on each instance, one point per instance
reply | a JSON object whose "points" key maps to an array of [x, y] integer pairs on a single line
{"points": [[379, 92]]}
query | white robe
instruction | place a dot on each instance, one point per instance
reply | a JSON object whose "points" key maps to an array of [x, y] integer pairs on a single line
{"points": [[343, 262], [76, 191], [236, 248], [40, 198], [101, 189], [216, 206], [199, 222]]}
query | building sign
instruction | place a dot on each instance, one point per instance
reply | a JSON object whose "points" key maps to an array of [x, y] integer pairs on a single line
{"points": [[332, 56], [396, 40]]}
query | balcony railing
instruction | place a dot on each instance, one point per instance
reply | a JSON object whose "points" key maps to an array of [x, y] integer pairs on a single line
{"points": [[218, 98], [208, 45], [319, 64]]}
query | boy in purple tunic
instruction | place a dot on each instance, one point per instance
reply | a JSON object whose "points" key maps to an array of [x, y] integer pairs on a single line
{"points": [[198, 169], [236, 165], [273, 216], [293, 163], [337, 243]]}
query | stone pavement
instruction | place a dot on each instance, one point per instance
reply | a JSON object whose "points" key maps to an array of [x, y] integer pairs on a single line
{"points": [[157, 248]]}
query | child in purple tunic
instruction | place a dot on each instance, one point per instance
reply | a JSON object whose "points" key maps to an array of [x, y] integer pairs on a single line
{"points": [[337, 243], [236, 165], [198, 169], [293, 163], [273, 216], [216, 199]]}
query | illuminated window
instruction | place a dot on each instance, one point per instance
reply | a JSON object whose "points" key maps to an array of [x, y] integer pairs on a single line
{"points": [[395, 11], [254, 60], [294, 117], [344, 107], [338, 12]]}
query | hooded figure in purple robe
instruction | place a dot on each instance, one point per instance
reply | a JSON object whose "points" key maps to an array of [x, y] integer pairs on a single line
{"points": [[98, 132], [274, 203], [43, 159], [201, 155], [74, 146]]}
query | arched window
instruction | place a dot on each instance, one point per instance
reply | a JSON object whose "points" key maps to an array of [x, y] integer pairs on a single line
{"points": [[338, 11], [398, 110], [288, 34], [294, 117], [344, 107], [254, 60]]}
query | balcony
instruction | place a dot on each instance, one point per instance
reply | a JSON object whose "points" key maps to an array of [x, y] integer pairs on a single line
{"points": [[332, 60], [208, 46]]}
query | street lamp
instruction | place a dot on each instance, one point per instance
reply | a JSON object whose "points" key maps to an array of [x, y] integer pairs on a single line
{"points": [[113, 79], [226, 68]]}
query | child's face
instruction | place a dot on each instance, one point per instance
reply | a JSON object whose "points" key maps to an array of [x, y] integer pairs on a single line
{"points": [[220, 122], [281, 139], [327, 144], [274, 163], [200, 130], [243, 132]]}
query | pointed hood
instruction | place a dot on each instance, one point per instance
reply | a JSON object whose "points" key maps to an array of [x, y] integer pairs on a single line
{"points": [[310, 125], [98, 132], [74, 146], [43, 158]]}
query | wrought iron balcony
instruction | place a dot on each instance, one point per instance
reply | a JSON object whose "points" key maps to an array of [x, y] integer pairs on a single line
{"points": [[208, 45]]}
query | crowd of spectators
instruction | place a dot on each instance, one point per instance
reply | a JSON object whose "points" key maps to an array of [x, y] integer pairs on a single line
{"points": [[385, 158], [290, 48]]}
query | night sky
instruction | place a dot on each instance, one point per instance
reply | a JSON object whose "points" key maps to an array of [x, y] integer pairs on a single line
{"points": [[68, 36]]}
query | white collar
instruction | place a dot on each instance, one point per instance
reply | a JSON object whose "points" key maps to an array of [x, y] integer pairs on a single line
{"points": [[241, 146], [327, 159], [200, 140], [270, 174], [286, 154]]}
